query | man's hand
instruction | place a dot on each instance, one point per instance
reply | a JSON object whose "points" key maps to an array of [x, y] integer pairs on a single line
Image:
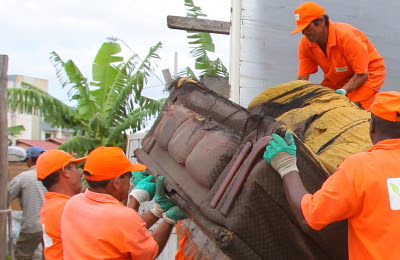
{"points": [[341, 91], [138, 176], [281, 154], [144, 190], [173, 215], [277, 145], [162, 202]]}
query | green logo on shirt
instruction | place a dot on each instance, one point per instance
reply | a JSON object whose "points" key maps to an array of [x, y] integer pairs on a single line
{"points": [[395, 189]]}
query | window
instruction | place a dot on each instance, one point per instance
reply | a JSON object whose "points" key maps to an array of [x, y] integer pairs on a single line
{"points": [[47, 136]]}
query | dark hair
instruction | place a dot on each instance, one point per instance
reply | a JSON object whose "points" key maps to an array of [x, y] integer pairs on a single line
{"points": [[315, 21], [34, 159], [95, 184], [101, 184], [51, 180], [390, 129]]}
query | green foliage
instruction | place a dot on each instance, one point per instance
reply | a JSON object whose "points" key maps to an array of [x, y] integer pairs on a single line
{"points": [[15, 130], [107, 107], [202, 43]]}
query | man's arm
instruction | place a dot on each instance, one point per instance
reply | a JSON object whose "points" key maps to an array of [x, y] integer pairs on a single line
{"points": [[15, 187], [281, 155], [303, 77], [149, 218], [161, 235], [170, 217], [356, 81], [294, 191]]}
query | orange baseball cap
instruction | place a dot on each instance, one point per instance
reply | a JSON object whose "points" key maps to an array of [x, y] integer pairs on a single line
{"points": [[305, 14], [53, 160], [105, 163], [386, 106]]}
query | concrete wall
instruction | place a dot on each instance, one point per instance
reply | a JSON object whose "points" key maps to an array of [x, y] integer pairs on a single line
{"points": [[268, 53]]}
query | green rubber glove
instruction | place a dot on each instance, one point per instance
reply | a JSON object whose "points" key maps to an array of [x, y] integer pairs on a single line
{"points": [[277, 145], [160, 198], [138, 176], [162, 202], [341, 91], [144, 190], [174, 214]]}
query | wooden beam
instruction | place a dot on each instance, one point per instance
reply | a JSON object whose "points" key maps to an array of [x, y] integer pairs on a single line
{"points": [[198, 25]]}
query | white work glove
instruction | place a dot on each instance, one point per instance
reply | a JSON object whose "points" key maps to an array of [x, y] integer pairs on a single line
{"points": [[144, 190], [284, 163]]}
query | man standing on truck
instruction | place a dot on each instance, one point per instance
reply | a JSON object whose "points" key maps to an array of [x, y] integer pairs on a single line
{"points": [[365, 189], [97, 225], [351, 64]]}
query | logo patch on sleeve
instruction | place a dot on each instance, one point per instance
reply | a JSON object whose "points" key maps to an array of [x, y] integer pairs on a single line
{"points": [[393, 185]]}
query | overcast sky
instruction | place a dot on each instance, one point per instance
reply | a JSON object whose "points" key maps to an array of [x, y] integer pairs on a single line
{"points": [[75, 29]]}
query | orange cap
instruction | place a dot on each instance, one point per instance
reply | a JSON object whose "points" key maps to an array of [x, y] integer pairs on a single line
{"points": [[386, 106], [53, 160], [105, 163], [305, 14]]}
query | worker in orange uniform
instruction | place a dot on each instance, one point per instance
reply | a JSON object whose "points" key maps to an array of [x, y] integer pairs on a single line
{"points": [[58, 172], [365, 189], [351, 64], [96, 225]]}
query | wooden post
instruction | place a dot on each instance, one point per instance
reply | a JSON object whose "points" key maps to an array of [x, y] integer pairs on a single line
{"points": [[3, 155], [167, 77]]}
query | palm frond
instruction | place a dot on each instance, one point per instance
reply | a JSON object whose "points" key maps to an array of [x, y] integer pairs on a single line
{"points": [[187, 73], [201, 44], [15, 130], [31, 100], [69, 75], [192, 10], [104, 72], [121, 88], [79, 145], [147, 66], [99, 127], [135, 121]]}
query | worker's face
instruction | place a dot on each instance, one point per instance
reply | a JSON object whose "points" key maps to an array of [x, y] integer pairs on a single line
{"points": [[125, 186], [74, 177], [314, 33]]}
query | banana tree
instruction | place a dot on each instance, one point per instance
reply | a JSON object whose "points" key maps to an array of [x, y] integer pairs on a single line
{"points": [[202, 43], [107, 107]]}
